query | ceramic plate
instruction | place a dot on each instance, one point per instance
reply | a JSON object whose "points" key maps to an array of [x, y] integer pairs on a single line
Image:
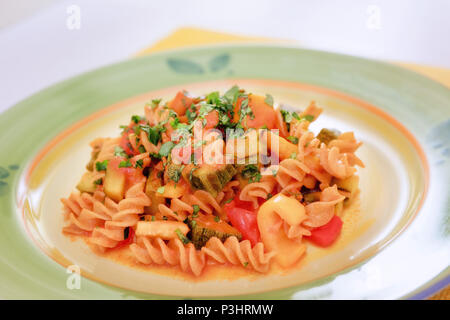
{"points": [[396, 246]]}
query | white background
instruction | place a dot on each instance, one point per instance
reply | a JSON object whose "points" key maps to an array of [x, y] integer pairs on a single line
{"points": [[37, 48]]}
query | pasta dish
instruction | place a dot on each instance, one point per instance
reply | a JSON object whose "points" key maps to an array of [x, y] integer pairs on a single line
{"points": [[228, 179]]}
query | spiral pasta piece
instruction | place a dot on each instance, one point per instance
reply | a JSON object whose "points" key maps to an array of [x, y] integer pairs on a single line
{"points": [[255, 190], [126, 215], [81, 212], [320, 212], [335, 163], [290, 171], [173, 253], [157, 251], [238, 253]]}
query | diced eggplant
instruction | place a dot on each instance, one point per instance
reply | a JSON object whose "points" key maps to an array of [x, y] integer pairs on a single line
{"points": [[326, 135], [210, 178], [204, 227]]}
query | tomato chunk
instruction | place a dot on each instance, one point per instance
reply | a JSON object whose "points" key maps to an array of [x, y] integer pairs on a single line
{"points": [[327, 234], [180, 103], [244, 220]]}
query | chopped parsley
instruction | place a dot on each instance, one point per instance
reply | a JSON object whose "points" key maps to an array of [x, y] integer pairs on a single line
{"points": [[153, 133], [155, 103], [288, 116], [139, 164], [125, 164], [245, 264], [98, 182], [229, 200], [232, 94], [101, 166], [251, 172], [196, 210], [142, 149], [182, 237], [160, 190], [166, 148], [119, 152], [293, 155], [136, 119], [293, 139], [269, 100], [174, 123], [307, 117], [216, 219]]}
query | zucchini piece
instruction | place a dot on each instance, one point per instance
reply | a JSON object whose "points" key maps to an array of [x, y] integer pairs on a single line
{"points": [[150, 190], [86, 183], [114, 184], [326, 135], [211, 179], [165, 230], [204, 227]]}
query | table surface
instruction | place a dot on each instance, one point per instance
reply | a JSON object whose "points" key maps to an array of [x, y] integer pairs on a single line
{"points": [[41, 44]]}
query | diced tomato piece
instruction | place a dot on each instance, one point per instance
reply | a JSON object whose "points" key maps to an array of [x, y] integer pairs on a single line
{"points": [[264, 114], [327, 234], [212, 119], [245, 221], [180, 103]]}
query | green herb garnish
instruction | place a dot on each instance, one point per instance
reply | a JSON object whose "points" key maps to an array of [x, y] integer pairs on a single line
{"points": [[125, 164], [139, 164], [182, 237], [293, 139], [196, 210], [251, 172], [166, 148], [101, 166], [160, 190], [119, 152], [136, 119], [269, 100]]}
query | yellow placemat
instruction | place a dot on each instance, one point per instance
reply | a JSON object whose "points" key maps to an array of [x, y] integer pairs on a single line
{"points": [[189, 37]]}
